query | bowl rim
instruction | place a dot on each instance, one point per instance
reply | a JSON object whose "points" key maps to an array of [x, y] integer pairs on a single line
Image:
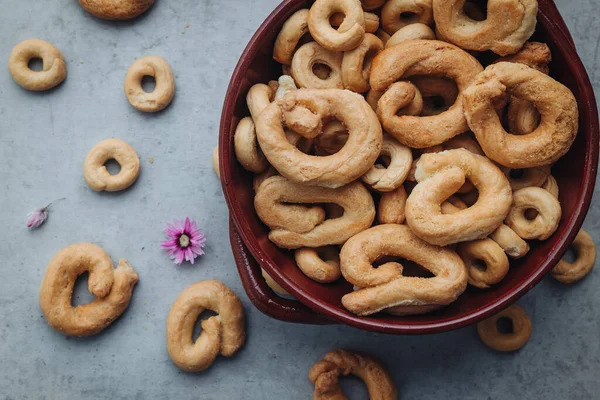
{"points": [[574, 223]]}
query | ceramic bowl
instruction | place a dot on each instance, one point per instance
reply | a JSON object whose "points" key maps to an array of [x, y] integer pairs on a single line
{"points": [[319, 303]]}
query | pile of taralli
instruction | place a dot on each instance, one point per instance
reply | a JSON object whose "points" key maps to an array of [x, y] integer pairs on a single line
{"points": [[385, 138]]}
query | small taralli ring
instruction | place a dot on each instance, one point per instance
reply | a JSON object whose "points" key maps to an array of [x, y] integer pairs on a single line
{"points": [[508, 25], [325, 376], [258, 98], [387, 178], [112, 287], [411, 32], [321, 264], [54, 69], [222, 334], [161, 97], [356, 64], [371, 21], [424, 57], [548, 217], [586, 258], [246, 147], [310, 55], [548, 142], [396, 14], [513, 341], [95, 173], [488, 251], [349, 34], [116, 9], [392, 206], [289, 37], [511, 243], [527, 177]]}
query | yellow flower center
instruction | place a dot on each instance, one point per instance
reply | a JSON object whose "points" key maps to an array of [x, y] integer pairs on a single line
{"points": [[184, 241]]}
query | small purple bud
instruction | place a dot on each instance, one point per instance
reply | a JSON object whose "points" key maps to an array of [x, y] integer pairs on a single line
{"points": [[37, 218]]}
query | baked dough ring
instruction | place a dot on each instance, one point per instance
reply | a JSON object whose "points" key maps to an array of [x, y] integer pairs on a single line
{"points": [[440, 175], [289, 37], [348, 35], [386, 179], [536, 176], [385, 287], [258, 99], [112, 287], [548, 217], [303, 112], [586, 258], [222, 334], [392, 206], [371, 21], [246, 147], [489, 334], [95, 173], [492, 255], [164, 91], [424, 57], [356, 64], [548, 142], [274, 285], [54, 69], [311, 54], [116, 9], [411, 32], [401, 98], [396, 14], [325, 375], [508, 25], [510, 242], [321, 265], [294, 226]]}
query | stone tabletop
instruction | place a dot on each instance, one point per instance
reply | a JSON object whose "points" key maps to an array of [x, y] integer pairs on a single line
{"points": [[44, 138]]}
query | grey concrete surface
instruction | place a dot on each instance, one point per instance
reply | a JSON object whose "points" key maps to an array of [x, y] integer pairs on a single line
{"points": [[44, 138]]}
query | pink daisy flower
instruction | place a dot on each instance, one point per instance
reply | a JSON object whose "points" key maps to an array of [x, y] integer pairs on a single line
{"points": [[185, 241]]}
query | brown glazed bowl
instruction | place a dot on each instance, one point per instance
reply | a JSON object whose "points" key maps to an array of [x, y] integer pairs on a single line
{"points": [[319, 303]]}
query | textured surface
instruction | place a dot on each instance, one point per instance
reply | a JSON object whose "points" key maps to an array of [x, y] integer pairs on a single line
{"points": [[44, 139]]}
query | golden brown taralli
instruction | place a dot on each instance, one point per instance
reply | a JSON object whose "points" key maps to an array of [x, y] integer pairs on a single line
{"points": [[585, 249], [321, 265], [96, 174], [54, 69], [513, 341], [164, 91], [116, 9]]}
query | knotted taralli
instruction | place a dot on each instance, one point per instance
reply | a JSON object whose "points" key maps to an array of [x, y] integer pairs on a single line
{"points": [[321, 265], [303, 111], [54, 69], [325, 376], [508, 25], [513, 341], [557, 105], [585, 249], [294, 226], [116, 9], [348, 35], [424, 57], [222, 334], [112, 287], [440, 175], [385, 287]]}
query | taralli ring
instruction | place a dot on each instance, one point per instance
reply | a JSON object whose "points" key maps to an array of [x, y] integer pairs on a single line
{"points": [[557, 105], [527, 177], [424, 57], [246, 147], [310, 55], [385, 287], [547, 219], [513, 341], [222, 334], [396, 14], [258, 99], [325, 375], [387, 178], [348, 35], [440, 175], [392, 206], [112, 287], [401, 98], [294, 226], [371, 21], [356, 65], [164, 91], [96, 174], [411, 32], [586, 257], [508, 25], [116, 9], [54, 69], [303, 111], [289, 37], [321, 265], [510, 242], [488, 251]]}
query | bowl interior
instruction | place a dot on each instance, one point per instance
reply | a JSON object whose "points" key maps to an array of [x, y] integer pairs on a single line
{"points": [[575, 174]]}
